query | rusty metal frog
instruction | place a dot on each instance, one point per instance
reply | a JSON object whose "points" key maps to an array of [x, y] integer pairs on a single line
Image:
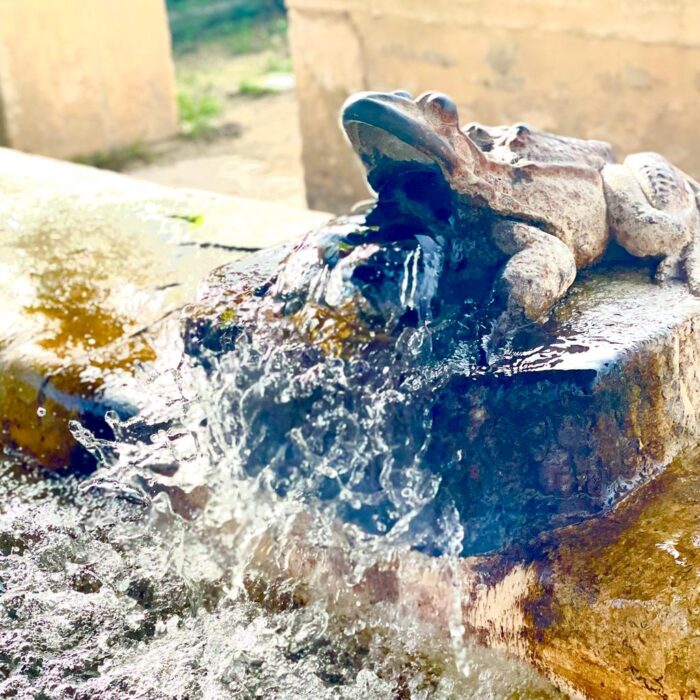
{"points": [[557, 201]]}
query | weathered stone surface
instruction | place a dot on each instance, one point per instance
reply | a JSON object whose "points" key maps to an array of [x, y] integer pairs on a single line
{"points": [[582, 411], [621, 595], [77, 79], [626, 74], [607, 608], [92, 265], [577, 417]]}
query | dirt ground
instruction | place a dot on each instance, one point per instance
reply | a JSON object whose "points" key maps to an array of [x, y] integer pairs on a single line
{"points": [[253, 148]]}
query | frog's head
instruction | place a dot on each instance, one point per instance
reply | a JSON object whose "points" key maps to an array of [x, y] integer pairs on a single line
{"points": [[395, 135], [432, 179]]}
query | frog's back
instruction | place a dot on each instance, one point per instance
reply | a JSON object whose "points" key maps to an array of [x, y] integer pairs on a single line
{"points": [[554, 181], [519, 144]]}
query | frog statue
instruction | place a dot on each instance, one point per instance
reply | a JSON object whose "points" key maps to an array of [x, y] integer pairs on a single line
{"points": [[477, 229], [504, 215]]}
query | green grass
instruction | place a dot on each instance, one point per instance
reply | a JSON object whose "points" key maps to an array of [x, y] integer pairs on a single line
{"points": [[118, 159], [197, 113], [265, 84], [243, 26], [279, 64], [251, 88]]}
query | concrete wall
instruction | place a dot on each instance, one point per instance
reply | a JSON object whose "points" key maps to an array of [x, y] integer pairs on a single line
{"points": [[623, 70], [82, 76]]}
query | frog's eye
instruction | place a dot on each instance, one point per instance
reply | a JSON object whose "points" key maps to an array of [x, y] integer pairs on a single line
{"points": [[441, 107]]}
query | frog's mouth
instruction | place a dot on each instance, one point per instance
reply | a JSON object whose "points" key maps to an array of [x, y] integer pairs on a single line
{"points": [[392, 133], [416, 157]]}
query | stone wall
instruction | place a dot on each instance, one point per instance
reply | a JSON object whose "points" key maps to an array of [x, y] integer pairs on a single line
{"points": [[628, 72], [84, 76]]}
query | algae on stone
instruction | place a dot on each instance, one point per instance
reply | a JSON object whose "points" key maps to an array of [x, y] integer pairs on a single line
{"points": [[93, 266]]}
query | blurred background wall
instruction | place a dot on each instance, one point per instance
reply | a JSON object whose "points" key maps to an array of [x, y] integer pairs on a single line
{"points": [[79, 76], [191, 93], [204, 93], [627, 71]]}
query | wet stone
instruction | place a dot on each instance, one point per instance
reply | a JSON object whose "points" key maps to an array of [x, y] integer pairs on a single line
{"points": [[85, 581], [94, 270], [575, 415]]}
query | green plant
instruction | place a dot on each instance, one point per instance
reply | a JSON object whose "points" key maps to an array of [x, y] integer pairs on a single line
{"points": [[251, 88], [197, 112], [117, 159], [279, 64]]}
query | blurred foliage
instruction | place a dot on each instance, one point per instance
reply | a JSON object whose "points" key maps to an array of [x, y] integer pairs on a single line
{"points": [[279, 64], [196, 21], [253, 88], [119, 158], [197, 113]]}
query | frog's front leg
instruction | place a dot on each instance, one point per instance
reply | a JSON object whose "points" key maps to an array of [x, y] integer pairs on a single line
{"points": [[540, 270], [652, 212]]}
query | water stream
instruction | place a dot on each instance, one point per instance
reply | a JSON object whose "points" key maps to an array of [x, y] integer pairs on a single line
{"points": [[190, 566]]}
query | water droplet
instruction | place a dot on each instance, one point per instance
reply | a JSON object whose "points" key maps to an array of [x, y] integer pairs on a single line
{"points": [[41, 411]]}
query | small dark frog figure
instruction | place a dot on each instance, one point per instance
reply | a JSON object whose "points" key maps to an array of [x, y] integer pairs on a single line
{"points": [[502, 215]]}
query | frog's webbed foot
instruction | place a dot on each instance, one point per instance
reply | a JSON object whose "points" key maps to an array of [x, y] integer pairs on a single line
{"points": [[540, 271], [652, 212], [672, 267], [691, 266]]}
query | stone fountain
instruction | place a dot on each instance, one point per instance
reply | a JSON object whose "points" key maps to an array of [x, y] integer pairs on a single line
{"points": [[548, 404], [496, 360]]}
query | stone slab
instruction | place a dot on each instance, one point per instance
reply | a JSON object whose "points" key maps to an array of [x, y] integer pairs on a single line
{"points": [[606, 607], [91, 264], [599, 412], [80, 77], [575, 416], [581, 531], [625, 73], [588, 408]]}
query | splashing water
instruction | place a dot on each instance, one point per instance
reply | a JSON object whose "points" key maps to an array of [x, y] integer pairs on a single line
{"points": [[252, 535]]}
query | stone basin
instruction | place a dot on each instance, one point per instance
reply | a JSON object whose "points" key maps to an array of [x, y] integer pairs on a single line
{"points": [[92, 265], [605, 398]]}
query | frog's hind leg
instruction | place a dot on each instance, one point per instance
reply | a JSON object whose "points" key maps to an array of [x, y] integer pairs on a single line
{"points": [[692, 258], [652, 212], [691, 266], [539, 272]]}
